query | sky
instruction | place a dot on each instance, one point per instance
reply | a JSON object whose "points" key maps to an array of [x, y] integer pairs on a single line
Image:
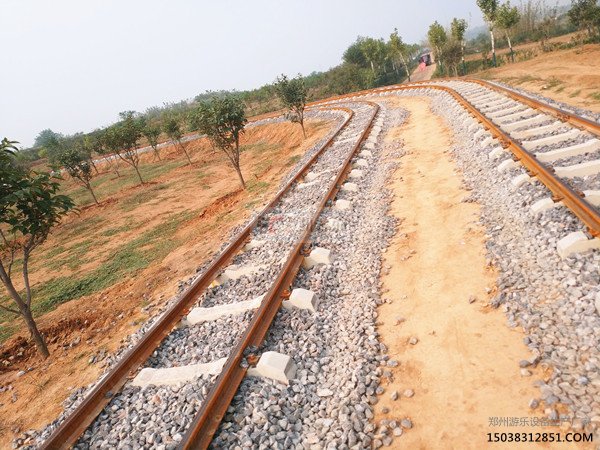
{"points": [[72, 65]]}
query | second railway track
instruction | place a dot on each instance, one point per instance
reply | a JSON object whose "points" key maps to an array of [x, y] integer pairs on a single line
{"points": [[541, 142], [254, 286]]}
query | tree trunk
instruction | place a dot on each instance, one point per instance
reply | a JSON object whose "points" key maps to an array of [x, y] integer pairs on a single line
{"points": [[241, 177], [373, 68], [94, 165], [405, 66], [37, 337], [92, 192], [156, 152], [236, 163], [115, 165], [138, 173], [26, 277], [25, 309], [185, 152], [302, 125], [462, 55], [512, 54], [493, 47]]}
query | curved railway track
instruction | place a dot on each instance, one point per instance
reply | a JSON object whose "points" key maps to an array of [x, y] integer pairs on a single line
{"points": [[298, 203], [560, 149], [553, 146]]}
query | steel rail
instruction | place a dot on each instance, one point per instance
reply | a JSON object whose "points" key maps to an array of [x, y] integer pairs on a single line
{"points": [[207, 420], [67, 433], [561, 191], [561, 114], [565, 116]]}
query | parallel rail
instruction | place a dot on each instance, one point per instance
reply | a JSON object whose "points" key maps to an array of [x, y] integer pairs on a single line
{"points": [[214, 406], [561, 191], [561, 114], [67, 433]]}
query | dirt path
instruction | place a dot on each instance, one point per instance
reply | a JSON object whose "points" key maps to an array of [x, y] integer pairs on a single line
{"points": [[423, 75], [464, 368]]}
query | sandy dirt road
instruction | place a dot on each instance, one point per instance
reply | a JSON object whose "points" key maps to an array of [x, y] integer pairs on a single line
{"points": [[463, 368], [423, 75]]}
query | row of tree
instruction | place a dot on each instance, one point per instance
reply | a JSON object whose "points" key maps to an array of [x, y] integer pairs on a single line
{"points": [[585, 14], [531, 20], [31, 204], [383, 58], [221, 118], [449, 45]]}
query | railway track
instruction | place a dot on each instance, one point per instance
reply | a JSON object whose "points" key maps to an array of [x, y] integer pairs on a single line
{"points": [[276, 242], [221, 339], [557, 148]]}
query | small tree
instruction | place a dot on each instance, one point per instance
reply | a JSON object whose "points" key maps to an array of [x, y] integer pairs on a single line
{"points": [[585, 15], [30, 207], [47, 138], [90, 147], [293, 94], [458, 27], [452, 56], [152, 133], [398, 50], [174, 131], [129, 132], [223, 121], [489, 8], [438, 38], [111, 143], [77, 165], [508, 18]]}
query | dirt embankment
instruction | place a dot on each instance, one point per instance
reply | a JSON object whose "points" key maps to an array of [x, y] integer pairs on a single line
{"points": [[151, 236], [569, 76]]}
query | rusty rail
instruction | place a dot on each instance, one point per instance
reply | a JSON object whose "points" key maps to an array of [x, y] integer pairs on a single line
{"points": [[560, 190], [561, 114], [75, 424], [214, 407]]}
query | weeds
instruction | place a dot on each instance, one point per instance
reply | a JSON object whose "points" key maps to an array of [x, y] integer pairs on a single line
{"points": [[257, 187], [132, 202]]}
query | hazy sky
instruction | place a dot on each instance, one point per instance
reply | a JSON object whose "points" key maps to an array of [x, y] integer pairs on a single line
{"points": [[73, 65]]}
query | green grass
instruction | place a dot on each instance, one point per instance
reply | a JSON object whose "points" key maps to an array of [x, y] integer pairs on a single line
{"points": [[257, 187], [117, 230], [260, 147], [144, 196], [153, 245], [74, 257], [294, 159], [595, 96], [108, 184], [55, 251], [552, 82], [75, 229], [575, 93], [8, 327]]}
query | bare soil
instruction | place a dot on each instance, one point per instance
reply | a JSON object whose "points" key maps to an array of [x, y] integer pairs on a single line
{"points": [[464, 369], [569, 76], [185, 211]]}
